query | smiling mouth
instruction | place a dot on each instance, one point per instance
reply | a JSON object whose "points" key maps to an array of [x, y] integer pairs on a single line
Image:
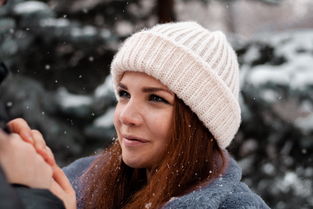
{"points": [[135, 139]]}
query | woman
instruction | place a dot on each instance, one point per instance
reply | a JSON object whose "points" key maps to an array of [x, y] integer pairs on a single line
{"points": [[177, 88]]}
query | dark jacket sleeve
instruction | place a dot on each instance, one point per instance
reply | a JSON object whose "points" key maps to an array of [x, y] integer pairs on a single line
{"points": [[8, 195], [38, 198], [21, 197]]}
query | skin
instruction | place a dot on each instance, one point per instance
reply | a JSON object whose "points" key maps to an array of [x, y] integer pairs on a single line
{"points": [[144, 111], [22, 164], [60, 185]]}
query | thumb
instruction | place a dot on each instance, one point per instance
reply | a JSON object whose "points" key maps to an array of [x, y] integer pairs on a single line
{"points": [[60, 177], [57, 190]]}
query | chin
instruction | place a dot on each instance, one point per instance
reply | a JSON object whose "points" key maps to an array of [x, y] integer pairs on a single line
{"points": [[133, 164]]}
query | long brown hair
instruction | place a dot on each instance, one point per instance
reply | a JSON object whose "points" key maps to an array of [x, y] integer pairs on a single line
{"points": [[193, 158]]}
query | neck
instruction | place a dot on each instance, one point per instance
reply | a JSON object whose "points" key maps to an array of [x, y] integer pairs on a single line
{"points": [[148, 174]]}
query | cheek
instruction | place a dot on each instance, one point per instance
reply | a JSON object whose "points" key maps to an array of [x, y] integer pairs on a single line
{"points": [[160, 129], [117, 124], [161, 123], [116, 118]]}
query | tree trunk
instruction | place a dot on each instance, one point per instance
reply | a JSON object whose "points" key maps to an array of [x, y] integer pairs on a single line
{"points": [[165, 11]]}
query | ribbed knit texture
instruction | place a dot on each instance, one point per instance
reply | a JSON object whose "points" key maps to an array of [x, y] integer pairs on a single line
{"points": [[199, 66]]}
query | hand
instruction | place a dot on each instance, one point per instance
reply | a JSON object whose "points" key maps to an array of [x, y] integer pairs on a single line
{"points": [[22, 164], [62, 188], [34, 137]]}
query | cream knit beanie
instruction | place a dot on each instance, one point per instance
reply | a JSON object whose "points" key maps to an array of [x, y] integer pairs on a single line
{"points": [[199, 66]]}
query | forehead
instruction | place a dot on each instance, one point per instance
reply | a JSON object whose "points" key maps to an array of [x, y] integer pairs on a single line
{"points": [[140, 78]]}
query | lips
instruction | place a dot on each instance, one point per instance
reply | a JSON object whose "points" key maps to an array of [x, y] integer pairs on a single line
{"points": [[135, 138], [133, 141]]}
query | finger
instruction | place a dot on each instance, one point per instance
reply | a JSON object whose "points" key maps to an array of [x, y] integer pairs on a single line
{"points": [[62, 180], [56, 189], [46, 157], [21, 127], [50, 153], [41, 147], [38, 139], [17, 138], [68, 198]]}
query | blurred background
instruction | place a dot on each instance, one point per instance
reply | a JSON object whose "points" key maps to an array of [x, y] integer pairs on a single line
{"points": [[59, 53]]}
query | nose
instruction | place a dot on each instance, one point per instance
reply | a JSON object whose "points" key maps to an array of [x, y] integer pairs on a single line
{"points": [[130, 114]]}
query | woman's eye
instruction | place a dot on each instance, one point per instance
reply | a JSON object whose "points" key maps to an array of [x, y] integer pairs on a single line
{"points": [[156, 98], [123, 93]]}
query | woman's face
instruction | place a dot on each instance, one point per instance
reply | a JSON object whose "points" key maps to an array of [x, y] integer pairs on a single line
{"points": [[142, 119]]}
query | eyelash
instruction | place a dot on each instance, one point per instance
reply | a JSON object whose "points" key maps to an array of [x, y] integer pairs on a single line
{"points": [[121, 93], [152, 97], [156, 98]]}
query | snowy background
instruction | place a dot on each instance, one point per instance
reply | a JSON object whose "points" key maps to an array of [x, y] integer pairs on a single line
{"points": [[59, 54]]}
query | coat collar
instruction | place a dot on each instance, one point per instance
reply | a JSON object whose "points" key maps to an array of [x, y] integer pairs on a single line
{"points": [[212, 194]]}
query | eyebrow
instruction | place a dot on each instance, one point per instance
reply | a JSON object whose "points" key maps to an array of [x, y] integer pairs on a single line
{"points": [[154, 89], [122, 86], [147, 89]]}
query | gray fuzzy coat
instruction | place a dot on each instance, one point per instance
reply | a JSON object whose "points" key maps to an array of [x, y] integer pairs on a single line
{"points": [[226, 192]]}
